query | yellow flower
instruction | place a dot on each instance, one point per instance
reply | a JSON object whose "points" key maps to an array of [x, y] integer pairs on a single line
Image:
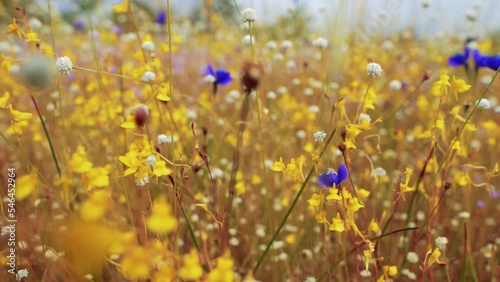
{"points": [[121, 8], [278, 166], [136, 264], [337, 224], [18, 115], [31, 36], [459, 86], [191, 269], [403, 187], [97, 177], [353, 205], [333, 194], [440, 87], [3, 100], [96, 206], [162, 92], [161, 220], [223, 272], [160, 169], [432, 257], [79, 162], [321, 217], [315, 200], [129, 122], [14, 28], [25, 186], [373, 226]]}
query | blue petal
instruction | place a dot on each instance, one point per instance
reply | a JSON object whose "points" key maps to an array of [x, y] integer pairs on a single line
{"points": [[343, 173], [328, 178], [161, 18], [493, 62], [457, 60], [223, 77], [209, 71]]}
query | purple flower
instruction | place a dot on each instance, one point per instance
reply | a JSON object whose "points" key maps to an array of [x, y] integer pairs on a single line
{"points": [[331, 177], [218, 77], [492, 62], [161, 18]]}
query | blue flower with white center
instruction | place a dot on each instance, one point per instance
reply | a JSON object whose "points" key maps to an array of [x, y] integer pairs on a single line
{"points": [[218, 77], [331, 177]]}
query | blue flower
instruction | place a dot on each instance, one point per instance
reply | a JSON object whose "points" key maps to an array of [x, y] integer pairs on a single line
{"points": [[331, 177], [161, 18], [492, 62], [218, 77]]}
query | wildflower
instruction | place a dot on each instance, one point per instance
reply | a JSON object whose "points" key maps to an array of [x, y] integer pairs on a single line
{"points": [[148, 76], [374, 69], [161, 18], [459, 86], [31, 36], [395, 85], [320, 42], [141, 115], [148, 45], [483, 103], [337, 224], [250, 76], [441, 242], [330, 177], [432, 257], [121, 8], [135, 264], [64, 65], [364, 118], [21, 274], [161, 220], [150, 160], [365, 273], [286, 44], [248, 15], [480, 60], [248, 39], [412, 257], [271, 45], [310, 279], [37, 72], [403, 187], [223, 271], [218, 77], [319, 136]]}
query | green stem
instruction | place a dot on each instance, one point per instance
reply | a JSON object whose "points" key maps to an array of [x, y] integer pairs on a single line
{"points": [[283, 221], [48, 136]]}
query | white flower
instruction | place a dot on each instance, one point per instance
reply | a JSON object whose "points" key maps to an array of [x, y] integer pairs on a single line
{"points": [[314, 109], [142, 182], [64, 65], [441, 242], [373, 69], [290, 64], [285, 44], [365, 273], [150, 160], [148, 45], [248, 15], [379, 172], [319, 136], [412, 257], [21, 274], [464, 215], [395, 84], [217, 173], [271, 45], [209, 78], [320, 42], [148, 76], [162, 138], [483, 103], [271, 95], [301, 134], [310, 279], [248, 40], [364, 116]]}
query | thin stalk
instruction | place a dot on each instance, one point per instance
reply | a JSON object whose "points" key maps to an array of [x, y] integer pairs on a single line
{"points": [[52, 150], [106, 73], [292, 206]]}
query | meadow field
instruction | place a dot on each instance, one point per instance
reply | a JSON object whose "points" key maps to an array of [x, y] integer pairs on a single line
{"points": [[138, 144]]}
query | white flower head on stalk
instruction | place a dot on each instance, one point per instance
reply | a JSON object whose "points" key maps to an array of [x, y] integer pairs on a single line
{"points": [[374, 69], [64, 65], [320, 43], [148, 76], [319, 136], [248, 15]]}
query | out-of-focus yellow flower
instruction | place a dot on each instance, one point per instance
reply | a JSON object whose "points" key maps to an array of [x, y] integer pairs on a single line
{"points": [[121, 8], [31, 36], [160, 169], [14, 28], [136, 263], [389, 270], [440, 87], [96, 206], [278, 165], [403, 187], [315, 200], [3, 99], [18, 115], [191, 269], [97, 177], [163, 92], [161, 220], [459, 86], [223, 272], [79, 162], [25, 186]]}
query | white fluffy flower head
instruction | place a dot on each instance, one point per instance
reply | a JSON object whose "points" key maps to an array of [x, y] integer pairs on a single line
{"points": [[148, 76], [320, 42], [248, 15], [374, 69], [319, 136], [483, 103], [148, 45], [64, 65], [248, 39]]}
